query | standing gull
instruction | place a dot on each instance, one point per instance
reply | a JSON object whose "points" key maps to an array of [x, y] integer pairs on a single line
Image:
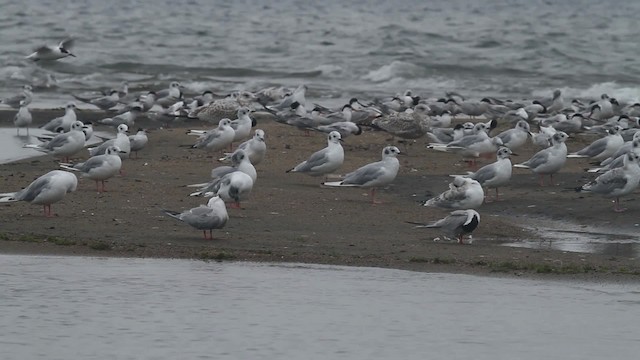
{"points": [[602, 148], [204, 217], [325, 161], [550, 160], [617, 182], [23, 118], [216, 139], [65, 144], [457, 224], [373, 175], [100, 167], [45, 190], [256, 148], [138, 141], [495, 174], [121, 141]]}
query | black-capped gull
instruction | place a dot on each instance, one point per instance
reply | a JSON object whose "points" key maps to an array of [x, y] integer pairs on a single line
{"points": [[457, 224]]}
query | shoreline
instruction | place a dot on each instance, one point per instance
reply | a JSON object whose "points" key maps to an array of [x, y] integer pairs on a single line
{"points": [[289, 218]]}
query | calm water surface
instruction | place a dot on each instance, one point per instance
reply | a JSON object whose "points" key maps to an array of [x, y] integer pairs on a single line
{"points": [[93, 308]]}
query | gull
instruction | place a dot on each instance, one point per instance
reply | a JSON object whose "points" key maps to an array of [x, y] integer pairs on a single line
{"points": [[63, 122], [233, 188], [617, 160], [474, 108], [447, 135], [239, 162], [15, 101], [23, 118], [324, 161], [495, 174], [406, 125], [617, 182], [256, 148], [53, 52], [242, 125], [100, 167], [64, 144], [556, 104], [345, 128], [569, 125], [216, 139], [170, 96], [457, 224], [602, 148], [121, 141], [138, 141], [550, 160], [87, 129], [443, 120], [204, 217], [616, 157], [128, 118], [516, 137], [298, 95], [603, 109], [463, 193], [543, 137], [471, 146], [223, 108], [373, 175], [45, 190], [103, 102]]}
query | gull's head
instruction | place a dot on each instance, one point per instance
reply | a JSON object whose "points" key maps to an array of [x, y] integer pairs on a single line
{"points": [[77, 125], [334, 137], [238, 157], [123, 128], [390, 151], [70, 106], [224, 122], [259, 134], [243, 111], [113, 150], [503, 152]]}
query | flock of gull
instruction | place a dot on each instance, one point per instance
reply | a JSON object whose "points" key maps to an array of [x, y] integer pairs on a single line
{"points": [[405, 116]]}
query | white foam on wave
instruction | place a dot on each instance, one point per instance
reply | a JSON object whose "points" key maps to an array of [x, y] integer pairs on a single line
{"points": [[623, 94], [330, 69], [431, 86], [397, 69]]}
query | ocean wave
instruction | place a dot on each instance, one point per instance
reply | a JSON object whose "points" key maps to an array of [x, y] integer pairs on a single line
{"points": [[396, 69], [626, 94]]}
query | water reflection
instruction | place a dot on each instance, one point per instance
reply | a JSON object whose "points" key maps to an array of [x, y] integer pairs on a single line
{"points": [[12, 145]]}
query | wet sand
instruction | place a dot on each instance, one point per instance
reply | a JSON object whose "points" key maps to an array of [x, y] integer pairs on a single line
{"points": [[289, 217]]}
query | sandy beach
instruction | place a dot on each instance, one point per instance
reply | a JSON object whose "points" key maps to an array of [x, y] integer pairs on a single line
{"points": [[290, 217]]}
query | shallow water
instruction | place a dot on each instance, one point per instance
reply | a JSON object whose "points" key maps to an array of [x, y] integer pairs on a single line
{"points": [[11, 143], [93, 308], [506, 48]]}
